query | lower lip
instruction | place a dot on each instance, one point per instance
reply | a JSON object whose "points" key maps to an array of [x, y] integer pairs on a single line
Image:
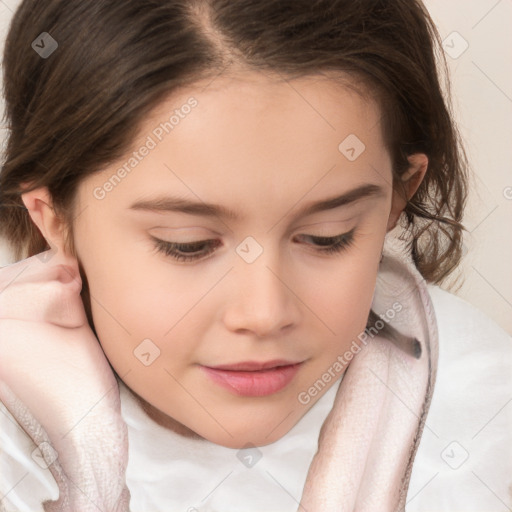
{"points": [[255, 383]]}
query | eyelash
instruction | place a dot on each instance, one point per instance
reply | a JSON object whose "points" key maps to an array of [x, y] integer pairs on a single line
{"points": [[333, 245]]}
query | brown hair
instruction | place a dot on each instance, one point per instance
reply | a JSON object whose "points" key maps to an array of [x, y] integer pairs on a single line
{"points": [[78, 110]]}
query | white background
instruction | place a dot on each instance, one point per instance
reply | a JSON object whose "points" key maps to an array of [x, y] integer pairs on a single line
{"points": [[482, 100]]}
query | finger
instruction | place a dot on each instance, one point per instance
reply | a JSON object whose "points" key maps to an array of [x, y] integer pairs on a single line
{"points": [[39, 292], [40, 267]]}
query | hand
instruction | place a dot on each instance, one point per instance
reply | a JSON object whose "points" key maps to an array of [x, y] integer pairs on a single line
{"points": [[52, 364]]}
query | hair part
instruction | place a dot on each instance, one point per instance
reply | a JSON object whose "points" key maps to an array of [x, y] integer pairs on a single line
{"points": [[78, 111]]}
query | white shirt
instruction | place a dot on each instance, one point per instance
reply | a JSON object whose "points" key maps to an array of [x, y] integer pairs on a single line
{"points": [[463, 463]]}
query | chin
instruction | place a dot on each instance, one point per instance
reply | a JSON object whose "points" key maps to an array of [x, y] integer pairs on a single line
{"points": [[242, 433], [233, 427], [242, 440]]}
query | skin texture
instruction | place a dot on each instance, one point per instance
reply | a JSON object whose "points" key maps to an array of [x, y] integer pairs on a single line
{"points": [[264, 148]]}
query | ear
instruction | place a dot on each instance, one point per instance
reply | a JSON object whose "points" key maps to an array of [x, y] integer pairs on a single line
{"points": [[40, 207], [407, 187]]}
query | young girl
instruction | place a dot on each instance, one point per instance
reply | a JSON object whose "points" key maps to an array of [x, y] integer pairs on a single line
{"points": [[229, 221]]}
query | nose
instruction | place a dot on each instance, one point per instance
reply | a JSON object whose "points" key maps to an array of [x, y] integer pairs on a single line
{"points": [[261, 299]]}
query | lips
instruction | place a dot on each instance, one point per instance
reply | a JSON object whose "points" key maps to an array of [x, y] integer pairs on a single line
{"points": [[250, 366], [252, 378]]}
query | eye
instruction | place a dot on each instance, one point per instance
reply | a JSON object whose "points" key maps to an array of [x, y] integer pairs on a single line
{"points": [[189, 251], [332, 244], [192, 251]]}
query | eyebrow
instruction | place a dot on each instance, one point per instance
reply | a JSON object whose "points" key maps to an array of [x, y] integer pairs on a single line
{"points": [[177, 204]]}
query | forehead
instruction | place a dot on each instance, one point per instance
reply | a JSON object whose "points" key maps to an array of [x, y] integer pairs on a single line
{"points": [[249, 135], [328, 100]]}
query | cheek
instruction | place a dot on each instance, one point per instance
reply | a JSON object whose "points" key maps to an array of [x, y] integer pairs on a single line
{"points": [[133, 299], [344, 292], [347, 285], [133, 306]]}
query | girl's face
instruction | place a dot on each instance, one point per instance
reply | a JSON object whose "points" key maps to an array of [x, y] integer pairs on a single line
{"points": [[247, 178]]}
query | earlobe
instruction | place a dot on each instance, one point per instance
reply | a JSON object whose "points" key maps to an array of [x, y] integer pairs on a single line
{"points": [[409, 183], [40, 209]]}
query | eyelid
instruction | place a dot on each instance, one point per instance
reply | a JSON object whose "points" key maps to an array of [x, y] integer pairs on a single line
{"points": [[202, 233], [203, 240], [325, 229], [196, 231], [342, 225]]}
